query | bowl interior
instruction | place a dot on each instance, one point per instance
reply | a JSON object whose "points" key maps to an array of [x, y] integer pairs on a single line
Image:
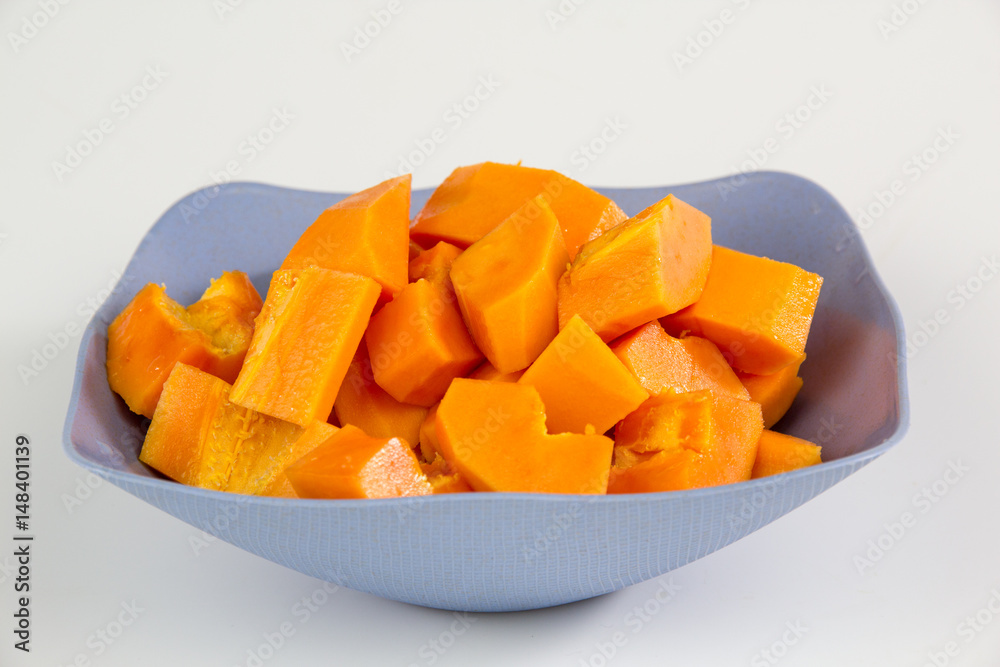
{"points": [[853, 404]]}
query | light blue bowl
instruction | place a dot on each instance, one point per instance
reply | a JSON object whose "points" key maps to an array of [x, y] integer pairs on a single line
{"points": [[501, 552]]}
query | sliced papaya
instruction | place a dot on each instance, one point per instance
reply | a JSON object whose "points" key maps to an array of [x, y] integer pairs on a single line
{"points": [[506, 286], [305, 337], [758, 311], [493, 434], [651, 265]]}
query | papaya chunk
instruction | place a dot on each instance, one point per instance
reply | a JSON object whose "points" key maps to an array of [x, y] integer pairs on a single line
{"points": [[352, 464], [493, 434], [429, 447], [306, 334], [312, 437], [367, 233], [486, 371], [199, 437], [582, 383], [154, 332], [758, 311], [648, 266], [362, 403], [443, 478], [434, 265], [506, 286], [685, 441], [475, 199], [778, 453], [662, 363], [774, 392], [418, 342]]}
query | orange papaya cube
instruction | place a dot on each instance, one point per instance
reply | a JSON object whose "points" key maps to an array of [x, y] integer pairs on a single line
{"points": [[362, 403], [475, 199], [429, 447], [506, 286], [662, 363], [306, 334], [200, 438], [352, 464], [312, 437], [777, 453], [486, 371], [154, 332], [418, 342], [443, 478], [435, 264], [685, 441], [582, 383], [758, 311], [226, 312], [368, 233], [493, 434], [774, 392], [649, 266]]}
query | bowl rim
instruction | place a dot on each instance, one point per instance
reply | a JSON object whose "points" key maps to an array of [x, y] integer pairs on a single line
{"points": [[852, 461]]}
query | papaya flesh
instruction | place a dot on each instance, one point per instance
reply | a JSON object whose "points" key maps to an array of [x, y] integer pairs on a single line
{"points": [[778, 453], [758, 311], [649, 266], [475, 199], [200, 438], [367, 233], [305, 337], [493, 434], [583, 385], [506, 286], [154, 332], [351, 464], [686, 441], [662, 363]]}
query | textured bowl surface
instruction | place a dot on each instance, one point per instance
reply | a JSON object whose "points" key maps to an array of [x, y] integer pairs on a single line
{"points": [[501, 552]]}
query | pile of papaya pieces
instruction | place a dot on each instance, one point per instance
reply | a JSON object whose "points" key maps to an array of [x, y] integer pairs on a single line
{"points": [[521, 334]]}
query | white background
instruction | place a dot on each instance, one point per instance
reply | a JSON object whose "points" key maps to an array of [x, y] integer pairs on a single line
{"points": [[63, 240]]}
